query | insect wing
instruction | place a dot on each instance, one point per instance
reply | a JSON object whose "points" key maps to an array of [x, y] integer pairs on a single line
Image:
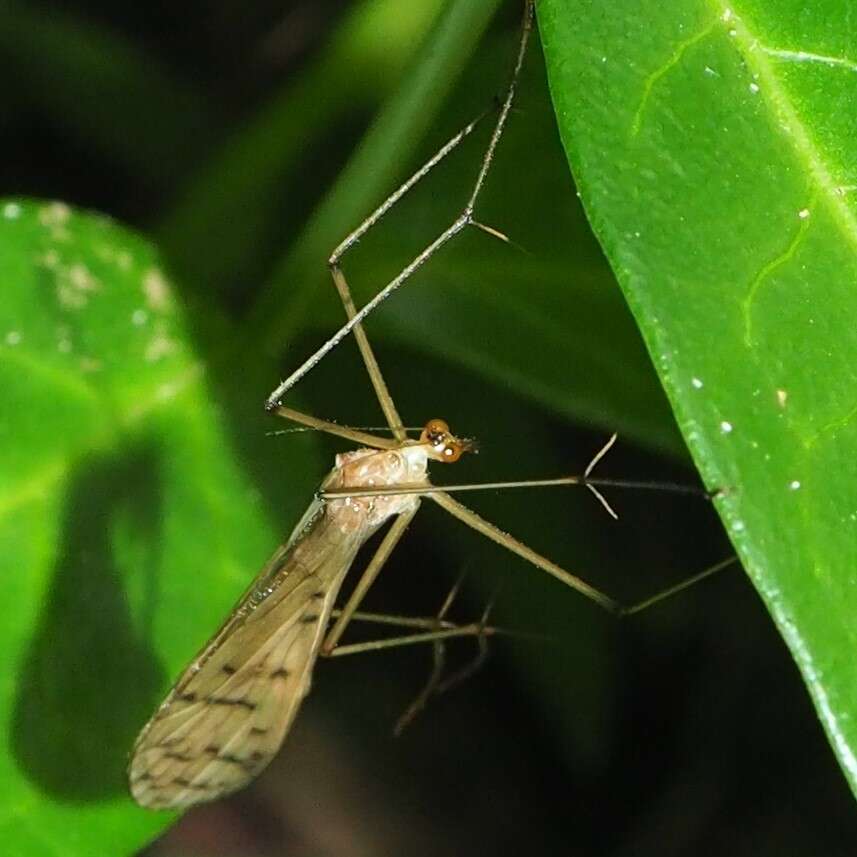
{"points": [[230, 710]]}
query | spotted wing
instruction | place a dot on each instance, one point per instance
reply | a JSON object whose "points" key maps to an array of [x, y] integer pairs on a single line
{"points": [[230, 710]]}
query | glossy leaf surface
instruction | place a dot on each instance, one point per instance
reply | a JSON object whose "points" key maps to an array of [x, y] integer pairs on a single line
{"points": [[714, 150]]}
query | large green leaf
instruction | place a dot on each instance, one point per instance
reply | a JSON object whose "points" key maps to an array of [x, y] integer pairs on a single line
{"points": [[714, 150], [118, 490]]}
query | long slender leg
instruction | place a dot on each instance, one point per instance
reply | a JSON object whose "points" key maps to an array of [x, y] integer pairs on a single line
{"points": [[438, 666], [475, 521], [375, 375], [371, 363], [352, 238], [633, 484], [469, 517], [385, 400], [462, 675], [335, 429], [389, 542], [473, 629], [422, 698], [436, 683], [679, 587], [559, 481], [461, 222], [424, 623], [586, 480], [437, 631]]}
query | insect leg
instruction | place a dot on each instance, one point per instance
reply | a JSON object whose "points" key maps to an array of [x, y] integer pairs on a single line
{"points": [[464, 220], [473, 629], [382, 392], [357, 436], [469, 517], [435, 683], [389, 542]]}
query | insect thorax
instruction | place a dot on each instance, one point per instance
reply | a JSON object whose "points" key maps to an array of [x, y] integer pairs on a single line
{"points": [[371, 468]]}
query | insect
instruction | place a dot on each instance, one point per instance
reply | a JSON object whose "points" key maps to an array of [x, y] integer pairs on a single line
{"points": [[228, 713], [230, 710]]}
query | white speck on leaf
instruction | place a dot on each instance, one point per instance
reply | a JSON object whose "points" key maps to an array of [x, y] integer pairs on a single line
{"points": [[54, 214], [156, 290], [697, 383], [794, 485], [803, 213], [160, 345], [726, 427], [782, 395], [11, 211], [81, 278], [74, 286], [51, 259]]}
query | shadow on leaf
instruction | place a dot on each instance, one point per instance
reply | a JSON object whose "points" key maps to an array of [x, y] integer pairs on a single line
{"points": [[89, 680]]}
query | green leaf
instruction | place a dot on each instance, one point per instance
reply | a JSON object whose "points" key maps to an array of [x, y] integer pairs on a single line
{"points": [[713, 149], [122, 508]]}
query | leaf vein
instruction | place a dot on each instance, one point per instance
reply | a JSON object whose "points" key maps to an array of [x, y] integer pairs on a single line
{"points": [[674, 60], [764, 274], [758, 60]]}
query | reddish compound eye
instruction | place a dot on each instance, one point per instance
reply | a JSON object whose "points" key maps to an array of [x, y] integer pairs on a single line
{"points": [[451, 451], [435, 432], [445, 445]]}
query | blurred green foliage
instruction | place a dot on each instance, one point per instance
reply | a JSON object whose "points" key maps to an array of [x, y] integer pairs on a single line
{"points": [[143, 487]]}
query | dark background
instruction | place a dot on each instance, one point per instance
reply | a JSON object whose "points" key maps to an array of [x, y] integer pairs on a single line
{"points": [[685, 730]]}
